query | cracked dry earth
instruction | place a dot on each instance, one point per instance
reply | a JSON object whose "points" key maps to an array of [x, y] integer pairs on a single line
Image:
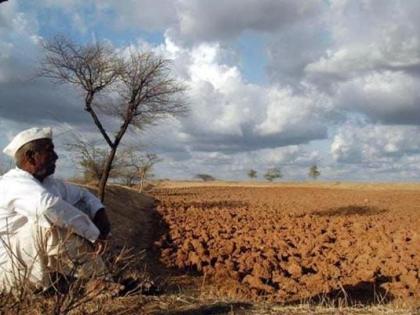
{"points": [[286, 244]]}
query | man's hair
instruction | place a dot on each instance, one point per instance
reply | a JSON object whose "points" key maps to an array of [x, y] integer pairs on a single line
{"points": [[32, 146]]}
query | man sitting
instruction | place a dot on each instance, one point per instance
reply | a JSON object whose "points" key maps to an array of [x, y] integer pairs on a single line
{"points": [[46, 225]]}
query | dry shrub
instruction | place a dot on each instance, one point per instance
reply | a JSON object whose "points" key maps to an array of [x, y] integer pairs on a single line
{"points": [[67, 292]]}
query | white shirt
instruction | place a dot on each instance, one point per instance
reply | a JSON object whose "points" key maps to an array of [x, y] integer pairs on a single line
{"points": [[23, 199]]}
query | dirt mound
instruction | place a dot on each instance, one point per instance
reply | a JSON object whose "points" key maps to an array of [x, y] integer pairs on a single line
{"points": [[135, 226], [132, 216], [289, 244]]}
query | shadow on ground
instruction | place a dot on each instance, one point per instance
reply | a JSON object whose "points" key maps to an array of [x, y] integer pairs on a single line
{"points": [[363, 293], [137, 225], [349, 210], [213, 309]]}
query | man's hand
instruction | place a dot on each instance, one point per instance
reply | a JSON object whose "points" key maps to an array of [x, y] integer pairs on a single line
{"points": [[102, 223], [100, 246]]}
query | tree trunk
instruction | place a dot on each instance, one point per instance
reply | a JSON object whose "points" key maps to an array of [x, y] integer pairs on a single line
{"points": [[105, 174], [141, 182], [141, 186]]}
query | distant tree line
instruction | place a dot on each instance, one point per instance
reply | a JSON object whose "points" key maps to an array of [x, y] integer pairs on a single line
{"points": [[270, 175], [275, 173]]}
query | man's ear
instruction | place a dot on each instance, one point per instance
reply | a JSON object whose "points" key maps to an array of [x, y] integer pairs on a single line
{"points": [[30, 156]]}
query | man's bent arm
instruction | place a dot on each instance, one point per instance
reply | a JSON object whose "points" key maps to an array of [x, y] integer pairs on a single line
{"points": [[63, 214], [79, 196], [75, 194]]}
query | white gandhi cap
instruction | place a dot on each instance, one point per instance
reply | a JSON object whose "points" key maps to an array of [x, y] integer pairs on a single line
{"points": [[26, 136]]}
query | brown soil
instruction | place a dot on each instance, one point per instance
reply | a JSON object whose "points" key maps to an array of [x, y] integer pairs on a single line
{"points": [[286, 244], [230, 249]]}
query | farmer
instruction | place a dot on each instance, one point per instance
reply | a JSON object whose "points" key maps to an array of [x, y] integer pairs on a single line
{"points": [[46, 226]]}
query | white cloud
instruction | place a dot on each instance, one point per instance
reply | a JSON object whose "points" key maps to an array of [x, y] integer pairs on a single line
{"points": [[287, 112], [7, 13], [25, 98], [195, 20], [388, 97], [220, 20], [149, 15], [230, 114], [291, 49], [123, 15], [18, 43], [372, 64], [375, 143], [370, 36]]}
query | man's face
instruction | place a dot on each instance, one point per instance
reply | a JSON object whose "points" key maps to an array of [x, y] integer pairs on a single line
{"points": [[45, 158]]}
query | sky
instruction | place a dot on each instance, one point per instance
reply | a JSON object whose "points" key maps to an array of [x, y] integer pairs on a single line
{"points": [[271, 83]]}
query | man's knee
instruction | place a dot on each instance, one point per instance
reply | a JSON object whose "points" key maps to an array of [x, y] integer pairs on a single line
{"points": [[71, 253]]}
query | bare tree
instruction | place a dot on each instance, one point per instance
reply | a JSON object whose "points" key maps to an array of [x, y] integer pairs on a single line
{"points": [[92, 159], [138, 168], [252, 174], [129, 167], [314, 172], [205, 177], [272, 174], [140, 88]]}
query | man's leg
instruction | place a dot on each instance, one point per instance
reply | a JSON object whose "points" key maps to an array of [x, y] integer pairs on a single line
{"points": [[72, 255], [33, 253]]}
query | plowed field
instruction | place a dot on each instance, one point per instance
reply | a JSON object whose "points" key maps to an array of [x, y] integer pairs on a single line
{"points": [[288, 244]]}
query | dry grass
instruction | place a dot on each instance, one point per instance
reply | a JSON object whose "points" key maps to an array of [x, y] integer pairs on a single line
{"points": [[185, 304], [70, 294]]}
